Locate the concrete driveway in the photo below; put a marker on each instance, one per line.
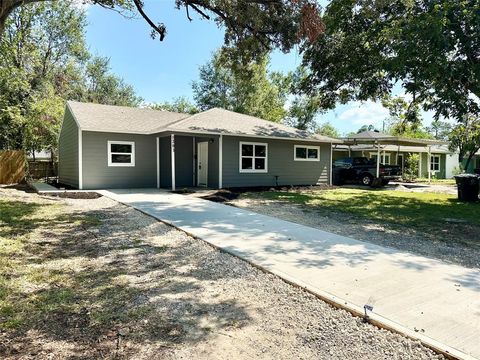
(434, 301)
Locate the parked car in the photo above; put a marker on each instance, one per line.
(363, 170)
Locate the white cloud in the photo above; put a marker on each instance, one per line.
(366, 113)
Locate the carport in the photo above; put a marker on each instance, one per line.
(378, 141)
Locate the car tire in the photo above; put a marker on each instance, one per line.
(366, 179)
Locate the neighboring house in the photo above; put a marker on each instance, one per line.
(103, 146)
(393, 151)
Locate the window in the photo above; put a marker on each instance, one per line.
(435, 163)
(385, 161)
(306, 153)
(121, 153)
(253, 157)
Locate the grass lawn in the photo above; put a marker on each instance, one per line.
(405, 208)
(436, 181)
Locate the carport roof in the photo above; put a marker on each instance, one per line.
(109, 118)
(375, 137)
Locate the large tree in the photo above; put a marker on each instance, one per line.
(246, 88)
(430, 47)
(254, 25)
(43, 62)
(180, 105)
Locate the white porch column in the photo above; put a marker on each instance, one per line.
(220, 162)
(193, 161)
(172, 158)
(331, 163)
(378, 160)
(429, 162)
(158, 162)
(383, 162)
(349, 151)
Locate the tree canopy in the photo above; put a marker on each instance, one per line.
(465, 137)
(246, 88)
(179, 105)
(254, 26)
(44, 61)
(430, 47)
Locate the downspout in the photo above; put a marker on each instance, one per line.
(378, 160)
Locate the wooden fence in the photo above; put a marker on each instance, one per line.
(42, 169)
(12, 166)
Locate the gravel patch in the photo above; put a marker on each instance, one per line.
(148, 291)
(446, 243)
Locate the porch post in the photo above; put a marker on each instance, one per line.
(384, 156)
(349, 151)
(158, 162)
(398, 150)
(330, 176)
(172, 159)
(220, 161)
(378, 160)
(193, 161)
(429, 162)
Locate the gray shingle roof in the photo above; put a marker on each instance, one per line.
(109, 118)
(222, 121)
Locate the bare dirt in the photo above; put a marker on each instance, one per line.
(90, 278)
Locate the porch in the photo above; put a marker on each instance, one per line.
(187, 161)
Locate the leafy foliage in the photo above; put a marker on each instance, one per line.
(327, 129)
(440, 130)
(44, 61)
(430, 47)
(248, 89)
(405, 119)
(180, 105)
(465, 138)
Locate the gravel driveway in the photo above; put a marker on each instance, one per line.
(144, 290)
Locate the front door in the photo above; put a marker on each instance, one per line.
(202, 163)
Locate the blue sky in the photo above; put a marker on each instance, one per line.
(161, 71)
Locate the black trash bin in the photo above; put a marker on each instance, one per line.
(468, 186)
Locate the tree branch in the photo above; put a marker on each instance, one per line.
(160, 28)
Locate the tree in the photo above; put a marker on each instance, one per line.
(364, 128)
(465, 138)
(43, 62)
(102, 87)
(405, 119)
(327, 129)
(245, 88)
(255, 26)
(179, 105)
(440, 130)
(430, 47)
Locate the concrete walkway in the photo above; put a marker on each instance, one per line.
(437, 302)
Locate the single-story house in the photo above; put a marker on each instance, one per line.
(104, 146)
(393, 150)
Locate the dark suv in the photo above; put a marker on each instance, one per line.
(363, 170)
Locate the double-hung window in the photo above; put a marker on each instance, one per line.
(121, 153)
(434, 163)
(306, 153)
(253, 157)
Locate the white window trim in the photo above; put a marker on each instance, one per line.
(432, 163)
(374, 154)
(252, 157)
(306, 147)
(110, 153)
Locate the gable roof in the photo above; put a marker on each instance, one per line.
(109, 118)
(221, 121)
(370, 135)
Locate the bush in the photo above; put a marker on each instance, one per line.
(410, 170)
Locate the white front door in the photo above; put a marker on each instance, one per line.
(202, 163)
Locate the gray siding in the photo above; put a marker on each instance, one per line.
(280, 163)
(68, 151)
(98, 175)
(165, 163)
